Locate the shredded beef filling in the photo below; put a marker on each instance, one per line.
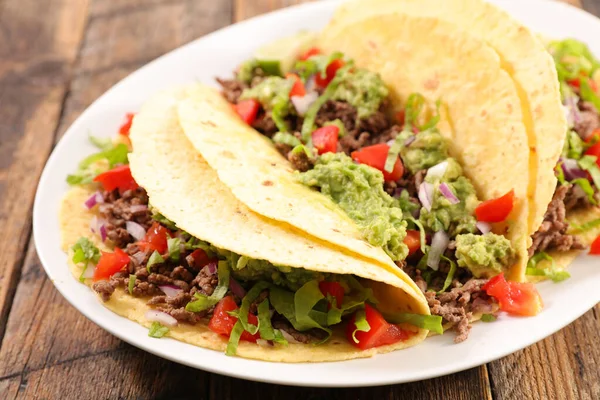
(588, 120)
(117, 209)
(552, 234)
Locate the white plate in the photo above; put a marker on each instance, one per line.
(216, 55)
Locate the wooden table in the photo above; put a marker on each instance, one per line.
(56, 57)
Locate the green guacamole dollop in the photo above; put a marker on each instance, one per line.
(363, 89)
(428, 149)
(272, 92)
(484, 255)
(358, 190)
(453, 218)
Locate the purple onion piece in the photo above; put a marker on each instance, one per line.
(162, 317)
(409, 140)
(484, 227)
(135, 230)
(236, 288)
(447, 192)
(103, 233)
(426, 195)
(211, 267)
(170, 290)
(571, 169)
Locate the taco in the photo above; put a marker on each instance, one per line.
(440, 188)
(571, 221)
(167, 245)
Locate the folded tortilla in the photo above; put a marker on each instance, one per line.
(183, 187)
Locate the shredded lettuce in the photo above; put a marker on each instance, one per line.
(204, 302)
(91, 166)
(450, 275)
(286, 138)
(589, 163)
(305, 299)
(432, 323)
(234, 338)
(552, 273)
(412, 111)
(574, 146)
(587, 188)
(585, 227)
(422, 233)
(155, 258)
(356, 298)
(573, 60)
(252, 294)
(361, 324)
(164, 220)
(131, 284)
(560, 174)
(264, 325)
(316, 64)
(488, 318)
(587, 93)
(173, 244)
(84, 251)
(157, 330)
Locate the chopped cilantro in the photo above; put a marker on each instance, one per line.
(155, 258)
(157, 330)
(488, 318)
(131, 284)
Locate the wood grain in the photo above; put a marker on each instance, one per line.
(38, 46)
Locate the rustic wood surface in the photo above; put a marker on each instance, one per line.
(56, 57)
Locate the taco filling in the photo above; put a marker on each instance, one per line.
(578, 169)
(391, 173)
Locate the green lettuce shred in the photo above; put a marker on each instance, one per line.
(552, 273)
(204, 302)
(266, 330)
(234, 338)
(488, 318)
(84, 251)
(89, 167)
(155, 258)
(585, 227)
(252, 294)
(157, 330)
(173, 244)
(431, 323)
(587, 188)
(588, 163)
(287, 139)
(450, 276)
(361, 324)
(131, 283)
(164, 220)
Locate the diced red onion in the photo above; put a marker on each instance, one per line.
(236, 288)
(571, 110)
(409, 140)
(447, 192)
(211, 267)
(170, 290)
(482, 306)
(136, 230)
(303, 103)
(136, 208)
(426, 195)
(103, 233)
(309, 86)
(437, 171)
(140, 256)
(439, 243)
(263, 343)
(89, 271)
(484, 227)
(162, 317)
(288, 337)
(94, 199)
(571, 169)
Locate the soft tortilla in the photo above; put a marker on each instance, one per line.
(185, 189)
(522, 55)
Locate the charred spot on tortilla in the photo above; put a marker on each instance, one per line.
(209, 123)
(228, 154)
(267, 183)
(431, 84)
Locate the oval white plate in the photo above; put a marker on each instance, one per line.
(215, 55)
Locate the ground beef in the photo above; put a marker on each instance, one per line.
(265, 124)
(300, 161)
(576, 198)
(588, 120)
(310, 336)
(552, 234)
(232, 89)
(104, 289)
(117, 209)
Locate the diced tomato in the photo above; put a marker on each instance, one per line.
(413, 241)
(577, 82)
(313, 51)
(247, 110)
(117, 178)
(400, 115)
(155, 239)
(110, 263)
(298, 88)
(325, 139)
(222, 323)
(380, 333)
(594, 150)
(126, 126)
(496, 210)
(334, 289)
(574, 82)
(595, 247)
(200, 258)
(375, 156)
(330, 72)
(514, 297)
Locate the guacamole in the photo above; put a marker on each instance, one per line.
(358, 190)
(363, 89)
(453, 218)
(484, 255)
(428, 149)
(272, 92)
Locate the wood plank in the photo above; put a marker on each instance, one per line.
(244, 9)
(38, 47)
(466, 385)
(50, 349)
(564, 366)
